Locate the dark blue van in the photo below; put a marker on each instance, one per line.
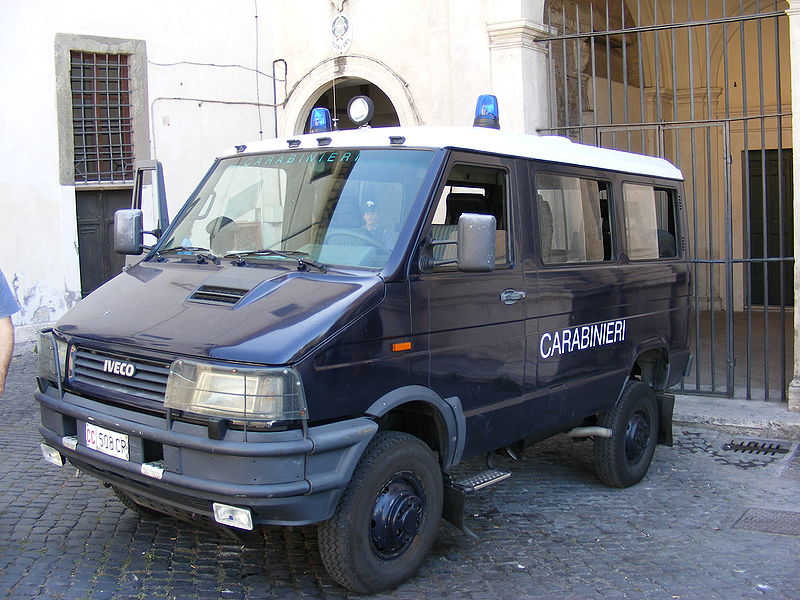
(332, 322)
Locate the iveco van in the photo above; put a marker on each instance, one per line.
(333, 321)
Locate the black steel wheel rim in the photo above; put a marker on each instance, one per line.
(637, 437)
(396, 515)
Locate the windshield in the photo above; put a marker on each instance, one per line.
(337, 207)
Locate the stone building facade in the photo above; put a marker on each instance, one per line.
(202, 76)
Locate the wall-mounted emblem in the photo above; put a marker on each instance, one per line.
(342, 32)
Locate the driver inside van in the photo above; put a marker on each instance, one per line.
(372, 226)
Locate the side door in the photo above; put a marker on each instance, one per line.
(472, 325)
(655, 274)
(580, 344)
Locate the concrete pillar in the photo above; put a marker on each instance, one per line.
(794, 52)
(519, 67)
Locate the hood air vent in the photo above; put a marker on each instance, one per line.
(212, 294)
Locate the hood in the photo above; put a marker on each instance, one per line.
(267, 314)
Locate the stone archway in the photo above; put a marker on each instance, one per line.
(337, 96)
(347, 71)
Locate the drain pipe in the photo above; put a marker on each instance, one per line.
(275, 63)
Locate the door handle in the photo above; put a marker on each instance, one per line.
(510, 296)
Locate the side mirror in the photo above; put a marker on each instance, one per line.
(128, 233)
(476, 242)
(475, 246)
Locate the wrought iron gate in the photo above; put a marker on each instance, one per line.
(704, 84)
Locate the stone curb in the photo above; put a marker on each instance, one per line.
(743, 417)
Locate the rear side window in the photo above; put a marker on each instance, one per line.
(574, 219)
(650, 223)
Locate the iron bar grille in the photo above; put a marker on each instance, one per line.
(149, 379)
(101, 117)
(704, 84)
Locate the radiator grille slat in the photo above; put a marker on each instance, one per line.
(149, 379)
(143, 377)
(118, 381)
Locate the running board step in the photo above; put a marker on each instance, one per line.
(480, 480)
(456, 490)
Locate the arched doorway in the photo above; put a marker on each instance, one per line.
(336, 97)
(347, 70)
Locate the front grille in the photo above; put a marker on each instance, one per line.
(218, 295)
(148, 379)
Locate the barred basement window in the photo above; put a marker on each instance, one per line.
(101, 117)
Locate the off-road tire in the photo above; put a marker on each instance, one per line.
(623, 459)
(388, 515)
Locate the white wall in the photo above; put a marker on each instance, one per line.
(437, 53)
(432, 53)
(433, 57)
(38, 238)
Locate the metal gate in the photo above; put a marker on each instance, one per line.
(704, 84)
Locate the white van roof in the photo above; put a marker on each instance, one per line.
(479, 139)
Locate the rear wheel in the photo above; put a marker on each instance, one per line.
(623, 459)
(388, 516)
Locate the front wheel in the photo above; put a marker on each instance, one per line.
(623, 459)
(387, 518)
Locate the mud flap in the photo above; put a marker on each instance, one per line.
(666, 405)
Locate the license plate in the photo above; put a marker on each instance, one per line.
(107, 441)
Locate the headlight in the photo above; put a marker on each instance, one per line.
(237, 393)
(48, 347)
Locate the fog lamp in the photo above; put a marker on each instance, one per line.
(233, 516)
(52, 455)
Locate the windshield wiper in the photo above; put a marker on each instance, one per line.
(202, 254)
(303, 262)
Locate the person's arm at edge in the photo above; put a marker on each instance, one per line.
(6, 349)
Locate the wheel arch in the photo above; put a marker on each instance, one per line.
(418, 410)
(650, 364)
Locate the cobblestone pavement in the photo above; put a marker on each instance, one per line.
(696, 527)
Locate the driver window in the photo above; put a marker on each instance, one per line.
(471, 189)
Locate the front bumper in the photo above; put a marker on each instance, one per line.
(284, 478)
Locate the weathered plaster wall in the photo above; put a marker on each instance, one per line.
(204, 85)
(201, 97)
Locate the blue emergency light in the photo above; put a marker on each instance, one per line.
(320, 121)
(487, 113)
